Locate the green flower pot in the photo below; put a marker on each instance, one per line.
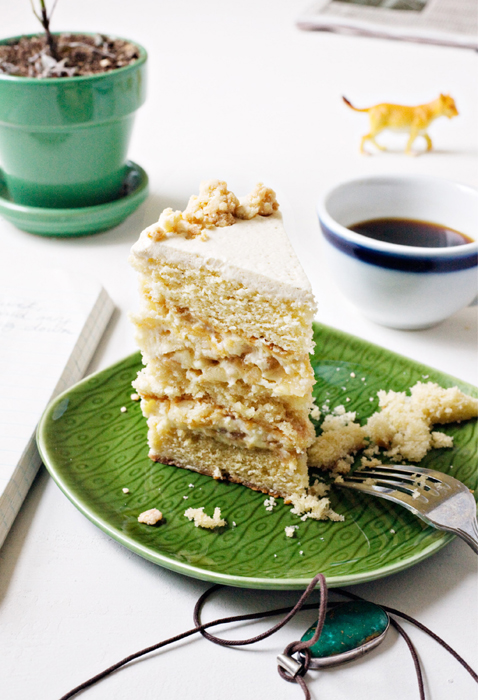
(64, 141)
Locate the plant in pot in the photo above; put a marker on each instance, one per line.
(67, 105)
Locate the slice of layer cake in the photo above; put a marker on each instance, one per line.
(225, 330)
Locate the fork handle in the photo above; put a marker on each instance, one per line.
(470, 534)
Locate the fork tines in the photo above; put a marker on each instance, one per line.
(409, 480)
(439, 499)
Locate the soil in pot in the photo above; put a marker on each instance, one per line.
(78, 54)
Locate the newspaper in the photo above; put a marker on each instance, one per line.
(443, 22)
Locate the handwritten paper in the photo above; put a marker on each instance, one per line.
(50, 324)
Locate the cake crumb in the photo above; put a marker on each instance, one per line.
(202, 520)
(403, 424)
(191, 486)
(270, 503)
(290, 530)
(341, 436)
(315, 413)
(308, 506)
(135, 397)
(342, 466)
(402, 428)
(150, 517)
(371, 463)
(440, 440)
(318, 488)
(421, 480)
(123, 409)
(125, 490)
(217, 473)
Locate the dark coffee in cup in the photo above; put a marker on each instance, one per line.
(410, 232)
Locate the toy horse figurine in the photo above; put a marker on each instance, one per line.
(414, 120)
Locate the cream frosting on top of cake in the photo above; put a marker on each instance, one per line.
(254, 252)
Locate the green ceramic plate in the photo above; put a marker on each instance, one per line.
(82, 221)
(93, 451)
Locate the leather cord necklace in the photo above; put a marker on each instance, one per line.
(289, 668)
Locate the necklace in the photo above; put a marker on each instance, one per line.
(363, 624)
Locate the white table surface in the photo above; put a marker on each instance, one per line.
(235, 92)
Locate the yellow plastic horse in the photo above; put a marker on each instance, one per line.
(414, 120)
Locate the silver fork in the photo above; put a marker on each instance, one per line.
(439, 499)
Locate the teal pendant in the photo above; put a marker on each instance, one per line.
(350, 630)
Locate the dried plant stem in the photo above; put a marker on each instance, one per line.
(45, 18)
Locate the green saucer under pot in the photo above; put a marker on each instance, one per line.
(64, 141)
(78, 221)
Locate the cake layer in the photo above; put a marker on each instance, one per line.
(270, 414)
(275, 473)
(227, 357)
(173, 373)
(230, 307)
(163, 378)
(189, 274)
(225, 425)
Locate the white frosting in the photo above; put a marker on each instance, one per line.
(256, 253)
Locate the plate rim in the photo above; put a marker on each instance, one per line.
(259, 583)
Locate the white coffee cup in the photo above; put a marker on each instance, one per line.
(402, 286)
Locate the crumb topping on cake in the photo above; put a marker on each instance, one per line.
(214, 206)
(260, 202)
